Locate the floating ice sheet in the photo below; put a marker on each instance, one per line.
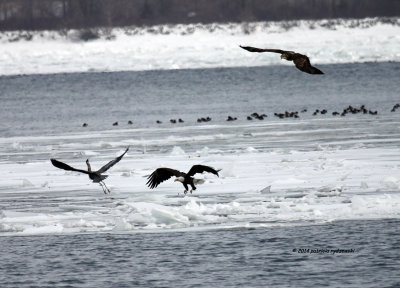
(263, 187)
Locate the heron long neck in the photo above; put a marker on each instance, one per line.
(88, 166)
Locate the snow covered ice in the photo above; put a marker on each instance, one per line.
(259, 185)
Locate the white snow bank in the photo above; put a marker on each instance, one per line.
(201, 46)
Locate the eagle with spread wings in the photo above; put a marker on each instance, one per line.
(302, 62)
(162, 174)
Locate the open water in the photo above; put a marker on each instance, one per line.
(341, 254)
(59, 103)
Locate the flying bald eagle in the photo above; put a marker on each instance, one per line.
(162, 174)
(96, 176)
(301, 61)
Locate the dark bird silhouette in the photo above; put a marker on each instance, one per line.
(301, 61)
(257, 116)
(96, 176)
(203, 119)
(162, 174)
(230, 118)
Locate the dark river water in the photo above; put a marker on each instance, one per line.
(60, 103)
(340, 254)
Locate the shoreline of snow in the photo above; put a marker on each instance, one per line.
(165, 47)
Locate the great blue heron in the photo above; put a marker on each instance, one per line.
(301, 61)
(96, 176)
(162, 174)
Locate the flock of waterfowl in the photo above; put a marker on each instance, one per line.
(286, 114)
(162, 174)
(301, 62)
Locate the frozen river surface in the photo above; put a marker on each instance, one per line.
(315, 182)
(274, 172)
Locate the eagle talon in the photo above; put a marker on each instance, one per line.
(185, 192)
(191, 190)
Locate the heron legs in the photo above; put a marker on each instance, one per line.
(105, 188)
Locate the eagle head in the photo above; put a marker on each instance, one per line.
(180, 179)
(284, 56)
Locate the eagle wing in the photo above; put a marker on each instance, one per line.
(200, 169)
(302, 63)
(253, 49)
(160, 175)
(64, 166)
(112, 162)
